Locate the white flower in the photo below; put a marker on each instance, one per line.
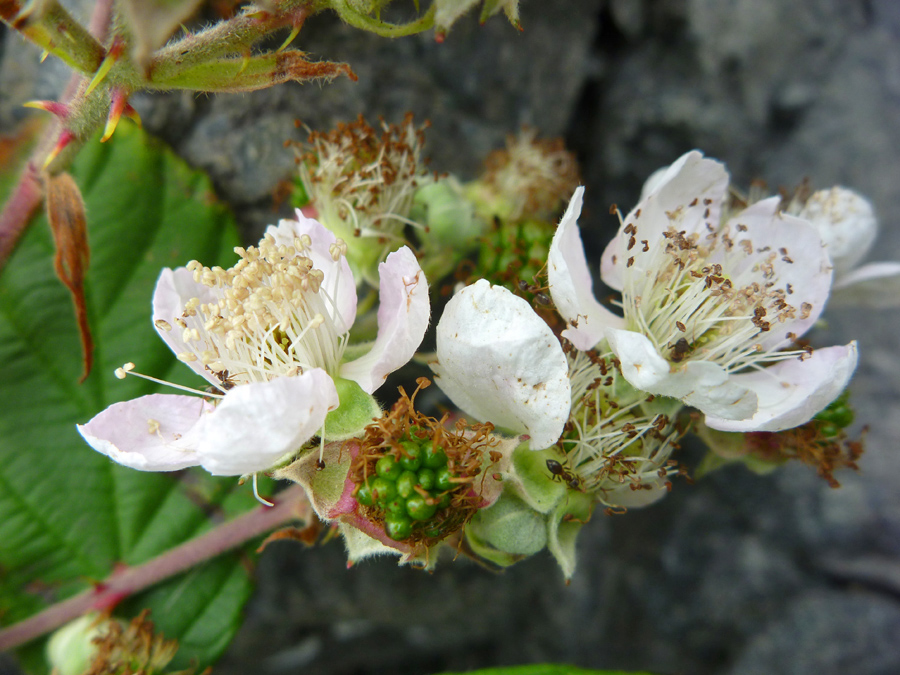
(269, 334)
(708, 304)
(499, 362)
(847, 224)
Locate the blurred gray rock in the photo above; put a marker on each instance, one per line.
(736, 575)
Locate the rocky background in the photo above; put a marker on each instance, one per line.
(736, 575)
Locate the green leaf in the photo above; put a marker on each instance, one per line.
(547, 669)
(67, 513)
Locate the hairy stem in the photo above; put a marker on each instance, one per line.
(28, 194)
(291, 504)
(53, 29)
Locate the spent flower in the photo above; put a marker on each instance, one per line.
(269, 336)
(361, 182)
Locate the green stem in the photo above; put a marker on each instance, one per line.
(255, 72)
(53, 29)
(382, 28)
(291, 504)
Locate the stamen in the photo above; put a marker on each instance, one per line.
(261, 500)
(128, 369)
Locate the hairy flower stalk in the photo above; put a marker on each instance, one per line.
(361, 182)
(269, 334)
(711, 306)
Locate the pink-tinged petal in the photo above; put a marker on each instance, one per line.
(846, 222)
(256, 424)
(339, 283)
(791, 392)
(571, 286)
(402, 320)
(499, 362)
(876, 285)
(173, 289)
(798, 263)
(686, 197)
(150, 433)
(701, 384)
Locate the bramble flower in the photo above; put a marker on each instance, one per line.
(847, 224)
(709, 305)
(269, 335)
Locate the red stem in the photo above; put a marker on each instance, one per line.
(23, 203)
(291, 504)
(27, 195)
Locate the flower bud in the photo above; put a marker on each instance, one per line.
(71, 649)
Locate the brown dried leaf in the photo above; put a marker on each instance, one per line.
(68, 223)
(306, 535)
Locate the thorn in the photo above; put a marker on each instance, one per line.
(133, 115)
(295, 31)
(245, 61)
(119, 101)
(65, 137)
(44, 55)
(61, 110)
(115, 51)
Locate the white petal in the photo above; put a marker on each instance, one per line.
(792, 392)
(635, 499)
(798, 263)
(338, 282)
(402, 320)
(701, 384)
(845, 221)
(150, 433)
(687, 196)
(876, 285)
(571, 286)
(256, 424)
(498, 361)
(173, 289)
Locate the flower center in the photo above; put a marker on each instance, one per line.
(708, 298)
(268, 316)
(610, 438)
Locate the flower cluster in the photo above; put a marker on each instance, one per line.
(575, 404)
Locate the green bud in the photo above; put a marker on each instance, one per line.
(70, 650)
(510, 527)
(449, 216)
